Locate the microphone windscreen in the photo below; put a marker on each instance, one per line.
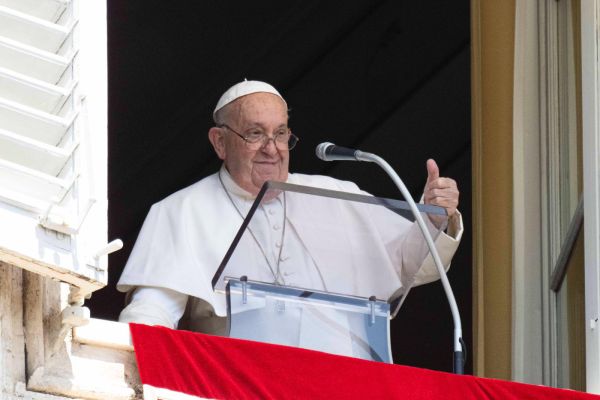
(321, 150)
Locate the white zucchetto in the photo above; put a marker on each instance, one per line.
(245, 88)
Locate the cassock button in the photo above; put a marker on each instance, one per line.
(285, 257)
(277, 244)
(271, 211)
(276, 227)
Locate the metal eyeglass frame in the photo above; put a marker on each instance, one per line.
(291, 142)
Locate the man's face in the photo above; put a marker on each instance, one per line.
(248, 167)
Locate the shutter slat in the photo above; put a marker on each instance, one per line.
(34, 124)
(33, 154)
(33, 31)
(33, 62)
(50, 10)
(33, 92)
(32, 183)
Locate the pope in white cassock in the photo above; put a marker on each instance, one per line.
(185, 236)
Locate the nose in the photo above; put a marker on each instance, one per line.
(269, 146)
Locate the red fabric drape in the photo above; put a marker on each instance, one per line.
(224, 368)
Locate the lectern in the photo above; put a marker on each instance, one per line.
(323, 269)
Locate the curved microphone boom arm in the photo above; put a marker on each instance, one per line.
(330, 152)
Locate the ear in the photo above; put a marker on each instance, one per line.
(215, 135)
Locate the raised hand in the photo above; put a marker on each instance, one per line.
(439, 191)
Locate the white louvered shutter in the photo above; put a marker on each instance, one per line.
(53, 138)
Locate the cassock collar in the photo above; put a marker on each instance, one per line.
(233, 187)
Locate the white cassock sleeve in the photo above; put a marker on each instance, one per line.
(446, 244)
(155, 306)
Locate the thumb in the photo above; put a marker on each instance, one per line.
(433, 172)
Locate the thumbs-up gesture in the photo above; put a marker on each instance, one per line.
(441, 192)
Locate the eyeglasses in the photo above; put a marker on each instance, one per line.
(283, 138)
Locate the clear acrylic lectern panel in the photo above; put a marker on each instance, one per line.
(335, 324)
(298, 239)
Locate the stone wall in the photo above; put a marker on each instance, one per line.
(43, 358)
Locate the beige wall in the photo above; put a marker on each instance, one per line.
(492, 103)
(576, 315)
(576, 265)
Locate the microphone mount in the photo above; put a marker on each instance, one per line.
(330, 152)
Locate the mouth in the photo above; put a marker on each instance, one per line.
(266, 167)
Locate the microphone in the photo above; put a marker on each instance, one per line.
(327, 151)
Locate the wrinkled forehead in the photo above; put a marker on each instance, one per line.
(258, 109)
